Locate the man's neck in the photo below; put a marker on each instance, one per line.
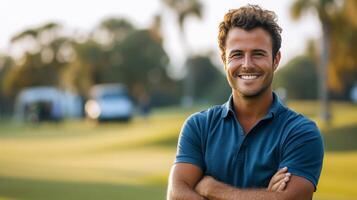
(250, 110)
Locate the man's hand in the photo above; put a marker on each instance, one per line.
(279, 181)
(204, 185)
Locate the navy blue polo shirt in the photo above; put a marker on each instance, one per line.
(215, 141)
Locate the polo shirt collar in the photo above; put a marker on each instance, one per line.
(227, 107)
(274, 109)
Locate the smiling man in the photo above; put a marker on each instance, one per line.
(251, 147)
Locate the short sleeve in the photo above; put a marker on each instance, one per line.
(303, 152)
(189, 148)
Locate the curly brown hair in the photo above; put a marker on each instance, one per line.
(248, 18)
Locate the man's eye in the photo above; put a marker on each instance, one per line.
(258, 55)
(237, 55)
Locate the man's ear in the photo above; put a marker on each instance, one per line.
(276, 60)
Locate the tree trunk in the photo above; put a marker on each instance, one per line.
(188, 82)
(325, 113)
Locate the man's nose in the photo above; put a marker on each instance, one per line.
(247, 62)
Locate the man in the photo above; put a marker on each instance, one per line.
(252, 147)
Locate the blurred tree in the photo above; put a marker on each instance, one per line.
(155, 29)
(31, 72)
(207, 80)
(113, 30)
(140, 54)
(325, 10)
(45, 55)
(298, 77)
(144, 63)
(343, 65)
(110, 70)
(115, 52)
(6, 62)
(130, 56)
(97, 60)
(137, 59)
(86, 68)
(184, 9)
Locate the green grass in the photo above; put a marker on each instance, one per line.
(84, 160)
(16, 188)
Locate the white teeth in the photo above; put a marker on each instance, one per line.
(249, 77)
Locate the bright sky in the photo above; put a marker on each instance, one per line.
(16, 15)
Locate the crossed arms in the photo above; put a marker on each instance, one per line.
(187, 182)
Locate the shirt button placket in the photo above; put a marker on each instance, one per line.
(241, 149)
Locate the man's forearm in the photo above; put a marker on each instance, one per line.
(182, 181)
(299, 189)
(243, 194)
(221, 191)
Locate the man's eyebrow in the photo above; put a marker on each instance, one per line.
(235, 51)
(259, 51)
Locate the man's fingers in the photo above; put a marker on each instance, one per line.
(279, 175)
(281, 171)
(277, 178)
(280, 185)
(284, 182)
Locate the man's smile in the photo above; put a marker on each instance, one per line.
(247, 76)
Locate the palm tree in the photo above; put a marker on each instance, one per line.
(44, 57)
(46, 39)
(184, 9)
(343, 66)
(116, 28)
(324, 10)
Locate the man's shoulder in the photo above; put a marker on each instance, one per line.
(213, 113)
(201, 122)
(298, 122)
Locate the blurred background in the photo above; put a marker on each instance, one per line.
(93, 94)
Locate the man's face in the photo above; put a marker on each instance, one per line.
(249, 63)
